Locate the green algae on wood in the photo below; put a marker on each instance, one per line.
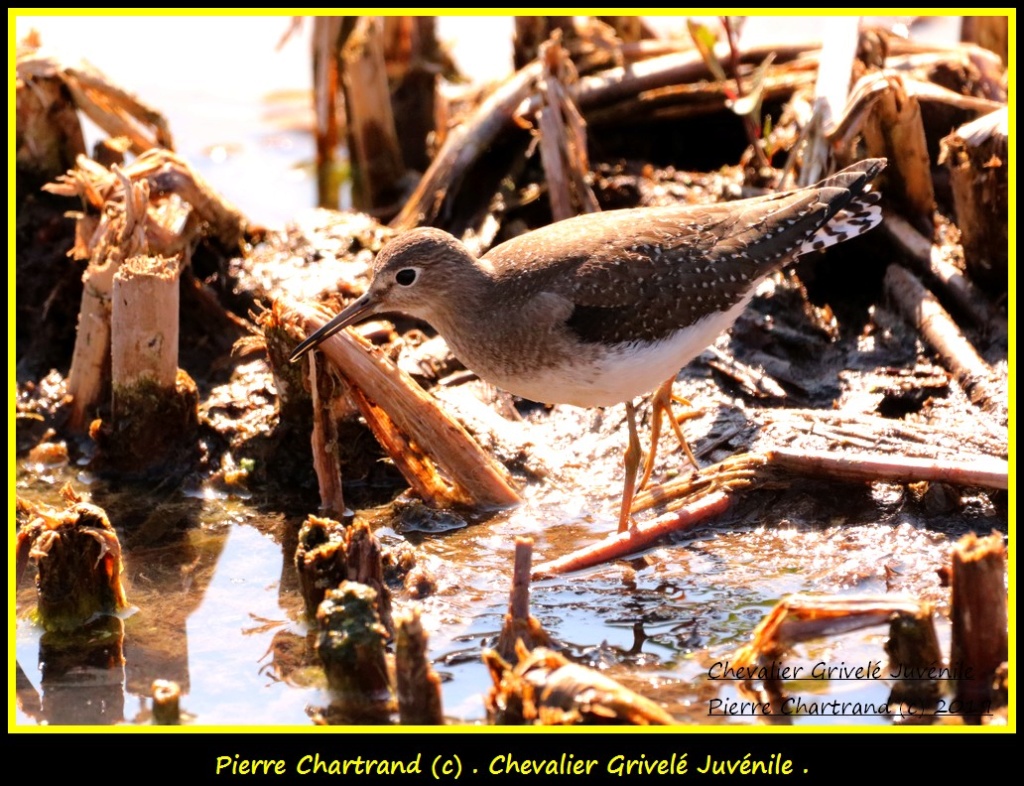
(350, 644)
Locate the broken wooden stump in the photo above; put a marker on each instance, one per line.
(49, 95)
(915, 659)
(417, 685)
(123, 236)
(329, 553)
(894, 130)
(136, 217)
(980, 643)
(563, 138)
(976, 155)
(154, 410)
(519, 625)
(78, 561)
(416, 60)
(166, 703)
(350, 644)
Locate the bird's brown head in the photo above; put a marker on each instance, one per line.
(415, 274)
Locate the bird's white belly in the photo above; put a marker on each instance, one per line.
(622, 372)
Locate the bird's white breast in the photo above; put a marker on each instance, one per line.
(619, 373)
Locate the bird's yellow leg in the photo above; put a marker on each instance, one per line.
(631, 462)
(661, 404)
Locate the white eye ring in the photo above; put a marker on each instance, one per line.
(407, 276)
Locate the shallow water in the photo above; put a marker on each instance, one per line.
(216, 608)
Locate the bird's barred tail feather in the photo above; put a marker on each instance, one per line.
(862, 214)
(857, 216)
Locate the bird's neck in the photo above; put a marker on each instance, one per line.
(468, 293)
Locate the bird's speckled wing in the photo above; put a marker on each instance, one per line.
(645, 273)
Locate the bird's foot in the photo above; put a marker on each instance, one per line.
(661, 404)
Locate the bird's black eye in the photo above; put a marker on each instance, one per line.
(406, 276)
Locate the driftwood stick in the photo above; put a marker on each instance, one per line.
(416, 414)
(983, 471)
(749, 470)
(732, 473)
(324, 440)
(416, 466)
(625, 82)
(637, 537)
(878, 434)
(694, 99)
(929, 259)
(920, 307)
(117, 111)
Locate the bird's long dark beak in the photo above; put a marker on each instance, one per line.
(355, 311)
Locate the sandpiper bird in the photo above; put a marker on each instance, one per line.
(602, 308)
